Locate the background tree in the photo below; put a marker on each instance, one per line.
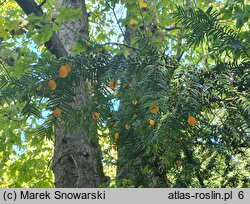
(167, 87)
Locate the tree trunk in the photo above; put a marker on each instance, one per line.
(77, 155)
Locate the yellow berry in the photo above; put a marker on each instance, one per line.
(113, 84)
(132, 22)
(117, 136)
(134, 102)
(63, 72)
(52, 85)
(57, 112)
(154, 109)
(142, 4)
(152, 122)
(68, 67)
(127, 126)
(192, 120)
(95, 116)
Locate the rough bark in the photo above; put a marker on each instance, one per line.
(71, 31)
(77, 155)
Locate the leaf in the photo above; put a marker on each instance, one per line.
(67, 14)
(239, 23)
(31, 109)
(44, 34)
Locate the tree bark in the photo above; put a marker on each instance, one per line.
(77, 155)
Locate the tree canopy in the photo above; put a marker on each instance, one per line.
(169, 85)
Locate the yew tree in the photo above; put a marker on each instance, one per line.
(124, 93)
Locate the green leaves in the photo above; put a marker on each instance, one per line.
(210, 83)
(205, 28)
(31, 109)
(67, 14)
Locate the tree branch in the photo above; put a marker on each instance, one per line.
(29, 7)
(121, 44)
(41, 4)
(117, 21)
(5, 70)
(54, 45)
(189, 155)
(170, 28)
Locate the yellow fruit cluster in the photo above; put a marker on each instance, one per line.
(68, 67)
(64, 70)
(142, 4)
